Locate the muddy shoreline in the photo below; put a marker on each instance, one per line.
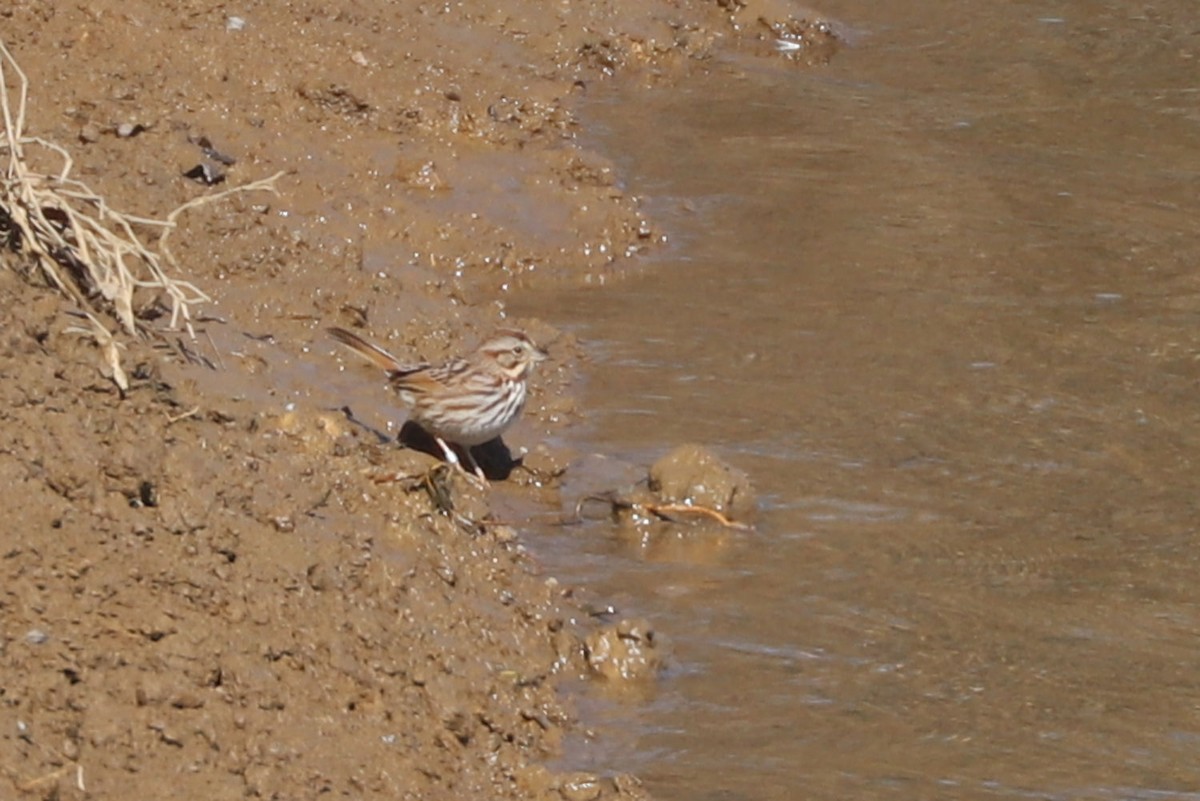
(207, 594)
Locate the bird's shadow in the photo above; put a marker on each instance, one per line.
(493, 457)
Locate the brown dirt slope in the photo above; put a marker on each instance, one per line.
(209, 606)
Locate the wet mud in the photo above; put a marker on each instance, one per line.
(225, 580)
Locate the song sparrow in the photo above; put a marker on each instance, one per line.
(466, 401)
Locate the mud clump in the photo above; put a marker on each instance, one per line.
(691, 507)
(693, 475)
(628, 651)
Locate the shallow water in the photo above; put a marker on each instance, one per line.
(939, 298)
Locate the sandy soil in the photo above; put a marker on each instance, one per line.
(205, 593)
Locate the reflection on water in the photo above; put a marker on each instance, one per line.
(940, 299)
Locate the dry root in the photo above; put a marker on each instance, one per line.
(85, 249)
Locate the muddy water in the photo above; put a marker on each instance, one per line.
(940, 299)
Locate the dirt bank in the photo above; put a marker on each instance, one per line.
(206, 593)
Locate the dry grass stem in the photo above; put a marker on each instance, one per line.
(108, 344)
(84, 248)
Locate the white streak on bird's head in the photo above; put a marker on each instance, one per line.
(513, 352)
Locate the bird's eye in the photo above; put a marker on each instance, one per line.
(518, 349)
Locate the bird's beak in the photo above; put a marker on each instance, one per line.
(540, 354)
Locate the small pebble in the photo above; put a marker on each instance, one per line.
(36, 637)
(580, 787)
(234, 23)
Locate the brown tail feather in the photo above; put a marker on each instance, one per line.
(372, 353)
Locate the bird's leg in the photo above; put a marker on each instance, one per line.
(475, 465)
(453, 459)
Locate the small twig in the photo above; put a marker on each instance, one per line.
(216, 350)
(666, 509)
(193, 357)
(320, 504)
(109, 345)
(609, 498)
(185, 415)
(53, 776)
(663, 511)
(267, 184)
(397, 477)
